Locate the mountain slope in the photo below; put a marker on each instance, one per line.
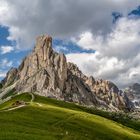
(133, 93)
(47, 119)
(48, 73)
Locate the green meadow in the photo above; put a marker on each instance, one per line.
(48, 119)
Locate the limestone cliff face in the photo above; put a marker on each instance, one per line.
(43, 71)
(109, 93)
(47, 73)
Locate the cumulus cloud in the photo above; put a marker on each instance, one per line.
(117, 55)
(6, 49)
(59, 18)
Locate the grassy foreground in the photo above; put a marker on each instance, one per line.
(47, 119)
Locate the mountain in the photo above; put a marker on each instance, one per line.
(133, 93)
(47, 73)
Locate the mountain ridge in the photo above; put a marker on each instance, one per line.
(48, 73)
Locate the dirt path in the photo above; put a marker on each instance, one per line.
(14, 108)
(39, 104)
(20, 106)
(33, 97)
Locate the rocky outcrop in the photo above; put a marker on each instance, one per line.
(108, 92)
(10, 77)
(47, 73)
(133, 93)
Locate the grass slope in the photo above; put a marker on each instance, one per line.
(48, 119)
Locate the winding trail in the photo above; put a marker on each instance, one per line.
(33, 97)
(14, 108)
(20, 106)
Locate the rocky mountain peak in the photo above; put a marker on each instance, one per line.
(47, 73)
(43, 47)
(43, 40)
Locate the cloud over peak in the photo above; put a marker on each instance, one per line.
(117, 54)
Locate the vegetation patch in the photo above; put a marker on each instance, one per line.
(26, 97)
(49, 119)
(122, 118)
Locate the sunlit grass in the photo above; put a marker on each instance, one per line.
(47, 119)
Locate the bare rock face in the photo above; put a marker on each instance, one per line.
(47, 73)
(10, 77)
(109, 93)
(43, 71)
(133, 93)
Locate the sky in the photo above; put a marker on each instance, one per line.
(102, 37)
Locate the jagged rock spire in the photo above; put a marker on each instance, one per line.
(43, 47)
(47, 73)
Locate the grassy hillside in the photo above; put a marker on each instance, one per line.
(48, 119)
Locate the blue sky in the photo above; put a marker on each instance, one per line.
(3, 36)
(15, 57)
(19, 38)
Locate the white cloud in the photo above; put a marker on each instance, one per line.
(2, 74)
(123, 38)
(88, 41)
(6, 49)
(134, 74)
(117, 55)
(60, 19)
(4, 63)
